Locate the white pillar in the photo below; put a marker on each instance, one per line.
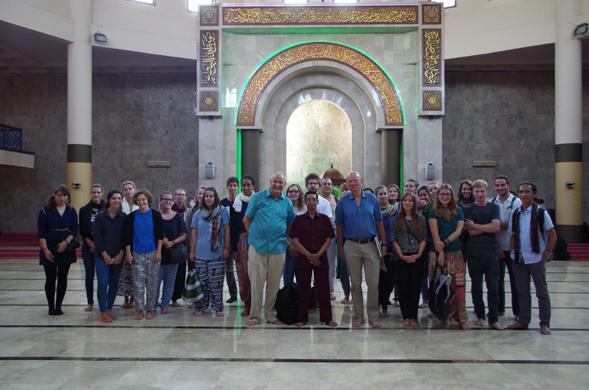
(79, 104)
(568, 123)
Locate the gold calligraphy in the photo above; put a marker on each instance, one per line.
(431, 56)
(432, 101)
(236, 16)
(431, 13)
(208, 58)
(209, 15)
(320, 51)
(209, 101)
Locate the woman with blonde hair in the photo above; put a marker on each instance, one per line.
(295, 193)
(446, 221)
(128, 188)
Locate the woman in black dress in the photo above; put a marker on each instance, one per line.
(57, 226)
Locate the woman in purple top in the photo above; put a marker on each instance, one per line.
(57, 226)
(209, 246)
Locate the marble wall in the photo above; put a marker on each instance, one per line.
(507, 117)
(136, 118)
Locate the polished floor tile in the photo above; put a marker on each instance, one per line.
(180, 351)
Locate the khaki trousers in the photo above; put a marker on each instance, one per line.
(264, 270)
(358, 255)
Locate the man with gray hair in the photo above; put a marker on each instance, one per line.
(267, 220)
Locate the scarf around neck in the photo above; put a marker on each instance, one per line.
(240, 199)
(387, 211)
(215, 220)
(534, 236)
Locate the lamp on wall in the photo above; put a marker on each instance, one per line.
(209, 171)
(581, 29)
(99, 37)
(430, 172)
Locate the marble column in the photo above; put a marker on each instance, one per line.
(391, 156)
(568, 124)
(250, 154)
(79, 104)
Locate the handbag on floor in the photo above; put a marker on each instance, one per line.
(193, 291)
(442, 295)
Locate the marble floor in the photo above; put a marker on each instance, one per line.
(180, 351)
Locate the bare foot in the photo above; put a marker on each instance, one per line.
(545, 330)
(375, 324)
(516, 318)
(277, 322)
(346, 300)
(384, 314)
(351, 301)
(191, 306)
(176, 304)
(332, 296)
(149, 316)
(442, 325)
(89, 307)
(246, 310)
(464, 326)
(406, 323)
(126, 305)
(299, 324)
(431, 315)
(501, 313)
(357, 323)
(139, 316)
(105, 318)
(252, 322)
(479, 322)
(331, 323)
(112, 316)
(414, 323)
(165, 311)
(496, 326)
(422, 305)
(199, 313)
(220, 314)
(396, 302)
(517, 326)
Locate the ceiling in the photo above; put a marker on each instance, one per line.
(27, 51)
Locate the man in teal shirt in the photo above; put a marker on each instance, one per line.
(267, 220)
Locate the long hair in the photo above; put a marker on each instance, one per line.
(216, 202)
(51, 204)
(380, 187)
(424, 188)
(110, 195)
(300, 203)
(452, 210)
(398, 192)
(461, 198)
(416, 226)
(183, 203)
(198, 205)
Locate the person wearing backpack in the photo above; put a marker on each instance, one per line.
(507, 202)
(532, 241)
(446, 221)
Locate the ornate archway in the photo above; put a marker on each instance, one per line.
(314, 51)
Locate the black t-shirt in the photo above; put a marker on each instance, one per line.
(484, 244)
(227, 203)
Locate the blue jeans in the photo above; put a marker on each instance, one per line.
(108, 283)
(88, 258)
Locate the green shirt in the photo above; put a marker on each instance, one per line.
(445, 229)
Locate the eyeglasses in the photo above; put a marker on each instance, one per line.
(293, 191)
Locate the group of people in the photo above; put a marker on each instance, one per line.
(401, 243)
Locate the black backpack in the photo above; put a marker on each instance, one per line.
(287, 308)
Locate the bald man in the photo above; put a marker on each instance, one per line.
(359, 221)
(267, 220)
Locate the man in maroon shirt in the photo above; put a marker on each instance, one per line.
(312, 233)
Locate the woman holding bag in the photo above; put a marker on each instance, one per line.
(446, 221)
(174, 236)
(209, 247)
(408, 239)
(108, 251)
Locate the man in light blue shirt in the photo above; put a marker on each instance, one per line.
(267, 220)
(359, 220)
(532, 241)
